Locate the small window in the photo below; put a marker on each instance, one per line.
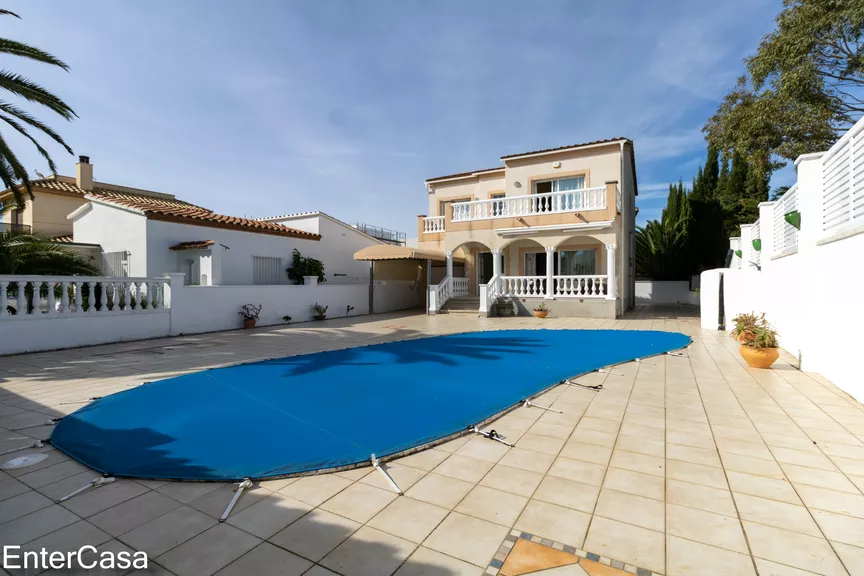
(577, 262)
(266, 270)
(562, 185)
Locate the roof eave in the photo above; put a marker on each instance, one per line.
(617, 141)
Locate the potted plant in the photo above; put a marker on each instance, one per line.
(320, 311)
(541, 311)
(303, 267)
(745, 325)
(250, 314)
(759, 348)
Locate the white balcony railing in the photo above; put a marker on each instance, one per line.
(582, 200)
(490, 292)
(439, 294)
(524, 286)
(31, 297)
(432, 224)
(459, 287)
(594, 286)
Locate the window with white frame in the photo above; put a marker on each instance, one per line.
(577, 262)
(559, 185)
(267, 270)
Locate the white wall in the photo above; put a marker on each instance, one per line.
(665, 292)
(116, 230)
(393, 295)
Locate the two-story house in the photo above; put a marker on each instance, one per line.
(549, 225)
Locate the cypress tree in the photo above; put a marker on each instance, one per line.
(711, 174)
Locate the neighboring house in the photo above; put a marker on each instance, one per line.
(555, 224)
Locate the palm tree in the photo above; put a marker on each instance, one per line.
(12, 172)
(661, 250)
(35, 254)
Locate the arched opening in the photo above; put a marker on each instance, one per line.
(478, 265)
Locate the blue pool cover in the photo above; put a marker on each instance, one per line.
(330, 409)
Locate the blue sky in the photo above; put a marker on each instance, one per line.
(267, 107)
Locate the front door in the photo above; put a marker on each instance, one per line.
(484, 267)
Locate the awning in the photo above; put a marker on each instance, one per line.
(193, 245)
(391, 252)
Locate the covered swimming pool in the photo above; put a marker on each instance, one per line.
(332, 409)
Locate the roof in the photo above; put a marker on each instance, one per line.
(63, 239)
(319, 214)
(391, 252)
(165, 207)
(193, 245)
(562, 148)
(464, 174)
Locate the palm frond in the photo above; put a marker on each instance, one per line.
(22, 115)
(23, 131)
(26, 51)
(25, 253)
(12, 172)
(8, 13)
(31, 91)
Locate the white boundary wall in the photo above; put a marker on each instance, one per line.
(190, 310)
(810, 290)
(665, 292)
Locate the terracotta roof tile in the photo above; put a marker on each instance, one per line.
(63, 239)
(461, 174)
(193, 245)
(610, 141)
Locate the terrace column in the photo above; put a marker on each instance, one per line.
(550, 273)
(496, 262)
(612, 291)
(449, 265)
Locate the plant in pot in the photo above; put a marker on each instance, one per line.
(541, 311)
(760, 350)
(250, 314)
(303, 266)
(320, 311)
(745, 326)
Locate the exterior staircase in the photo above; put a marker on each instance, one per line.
(461, 305)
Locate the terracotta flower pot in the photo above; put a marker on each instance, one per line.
(759, 357)
(541, 313)
(320, 317)
(248, 323)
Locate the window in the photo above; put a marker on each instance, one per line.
(497, 207)
(577, 262)
(562, 185)
(116, 264)
(267, 270)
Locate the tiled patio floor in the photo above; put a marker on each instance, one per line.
(688, 464)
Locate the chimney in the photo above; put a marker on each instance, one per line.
(84, 173)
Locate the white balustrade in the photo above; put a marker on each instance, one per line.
(432, 224)
(581, 200)
(439, 294)
(459, 287)
(524, 286)
(490, 292)
(30, 297)
(591, 286)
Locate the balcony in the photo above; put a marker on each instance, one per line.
(582, 200)
(14, 227)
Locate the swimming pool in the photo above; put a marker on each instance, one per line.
(331, 409)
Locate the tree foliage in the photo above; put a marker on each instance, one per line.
(33, 254)
(12, 171)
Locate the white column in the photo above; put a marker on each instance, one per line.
(550, 273)
(449, 256)
(612, 292)
(496, 262)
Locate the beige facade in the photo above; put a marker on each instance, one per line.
(571, 200)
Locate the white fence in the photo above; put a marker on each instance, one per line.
(433, 224)
(47, 313)
(665, 292)
(810, 278)
(581, 200)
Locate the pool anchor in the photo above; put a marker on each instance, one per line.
(34, 444)
(246, 483)
(529, 404)
(386, 475)
(95, 483)
(491, 435)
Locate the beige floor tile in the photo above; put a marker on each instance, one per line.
(696, 440)
(404, 476)
(51, 474)
(313, 536)
(454, 444)
(559, 431)
(266, 560)
(693, 455)
(11, 487)
(440, 490)
(69, 539)
(554, 522)
(799, 458)
(638, 463)
(269, 515)
(483, 449)
(792, 548)
(686, 557)
(21, 505)
(214, 503)
(94, 501)
(359, 502)
(762, 486)
(637, 483)
(700, 497)
(37, 524)
(840, 527)
(632, 509)
(369, 552)
(409, 519)
(427, 562)
(627, 543)
(706, 527)
(540, 443)
(467, 538)
(768, 568)
(353, 475)
(852, 557)
(752, 466)
(587, 452)
(208, 552)
(832, 500)
(599, 425)
(464, 468)
(314, 490)
(795, 443)
(425, 459)
(164, 533)
(567, 493)
(492, 505)
(742, 448)
(777, 514)
(819, 478)
(598, 438)
(641, 446)
(527, 460)
(185, 492)
(646, 432)
(133, 513)
(513, 480)
(696, 474)
(578, 471)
